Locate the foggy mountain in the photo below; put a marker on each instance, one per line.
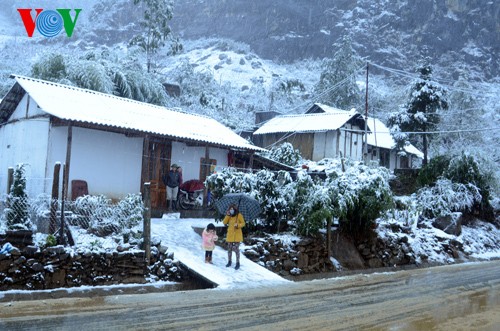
(392, 33)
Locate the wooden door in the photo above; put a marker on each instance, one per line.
(156, 162)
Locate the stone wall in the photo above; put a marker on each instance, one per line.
(54, 267)
(309, 255)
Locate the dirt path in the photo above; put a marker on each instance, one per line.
(455, 297)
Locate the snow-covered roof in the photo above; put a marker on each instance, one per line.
(307, 122)
(328, 109)
(380, 136)
(81, 105)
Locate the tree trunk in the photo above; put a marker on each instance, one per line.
(425, 150)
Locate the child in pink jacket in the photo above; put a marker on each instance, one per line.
(209, 237)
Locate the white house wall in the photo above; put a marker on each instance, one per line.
(25, 141)
(111, 163)
(26, 108)
(189, 157)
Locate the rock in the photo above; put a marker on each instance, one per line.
(37, 267)
(55, 250)
(451, 224)
(375, 263)
(288, 265)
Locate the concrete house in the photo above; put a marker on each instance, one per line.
(114, 144)
(322, 132)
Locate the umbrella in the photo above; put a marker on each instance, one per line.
(247, 206)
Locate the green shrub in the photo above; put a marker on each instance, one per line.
(462, 169)
(50, 241)
(431, 172)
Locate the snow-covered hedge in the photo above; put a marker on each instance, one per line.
(273, 190)
(100, 216)
(447, 197)
(472, 183)
(356, 196)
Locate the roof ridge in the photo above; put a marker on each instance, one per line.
(107, 95)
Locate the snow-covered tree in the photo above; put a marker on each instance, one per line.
(17, 211)
(420, 113)
(337, 84)
(285, 153)
(103, 70)
(156, 29)
(464, 109)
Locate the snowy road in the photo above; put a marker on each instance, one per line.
(453, 297)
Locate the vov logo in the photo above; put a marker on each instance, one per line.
(49, 23)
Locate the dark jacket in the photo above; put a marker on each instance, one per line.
(172, 179)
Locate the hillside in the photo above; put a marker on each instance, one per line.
(241, 57)
(387, 32)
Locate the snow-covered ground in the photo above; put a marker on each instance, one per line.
(179, 236)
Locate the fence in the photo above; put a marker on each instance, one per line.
(93, 222)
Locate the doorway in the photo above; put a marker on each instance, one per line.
(155, 164)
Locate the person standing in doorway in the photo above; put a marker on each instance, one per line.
(172, 182)
(235, 222)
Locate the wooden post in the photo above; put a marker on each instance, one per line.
(55, 197)
(147, 221)
(62, 239)
(10, 179)
(365, 147)
(329, 238)
(251, 162)
(68, 160)
(207, 173)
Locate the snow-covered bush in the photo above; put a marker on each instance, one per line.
(129, 211)
(286, 154)
(356, 196)
(447, 197)
(312, 206)
(462, 169)
(360, 195)
(272, 190)
(229, 180)
(100, 216)
(275, 193)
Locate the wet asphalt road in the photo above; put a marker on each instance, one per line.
(453, 297)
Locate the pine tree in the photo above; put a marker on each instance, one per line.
(157, 15)
(337, 85)
(420, 113)
(17, 212)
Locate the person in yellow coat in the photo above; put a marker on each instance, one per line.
(234, 222)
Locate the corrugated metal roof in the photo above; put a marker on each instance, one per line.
(307, 122)
(76, 104)
(381, 137)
